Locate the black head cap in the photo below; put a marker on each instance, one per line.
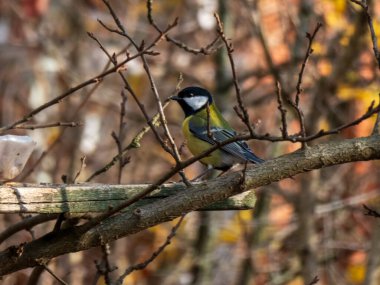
(193, 99)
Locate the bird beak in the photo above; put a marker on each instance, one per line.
(176, 98)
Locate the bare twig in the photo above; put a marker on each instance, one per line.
(51, 125)
(72, 90)
(35, 275)
(155, 254)
(74, 114)
(60, 280)
(309, 51)
(370, 112)
(128, 86)
(208, 49)
(25, 174)
(121, 135)
(82, 166)
(135, 143)
(314, 281)
(119, 151)
(112, 59)
(295, 104)
(26, 223)
(104, 267)
(371, 212)
(284, 129)
(122, 123)
(365, 7)
(243, 114)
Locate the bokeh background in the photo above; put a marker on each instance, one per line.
(313, 225)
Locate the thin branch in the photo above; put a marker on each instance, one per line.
(104, 267)
(314, 281)
(119, 139)
(309, 51)
(112, 59)
(128, 86)
(365, 7)
(60, 280)
(82, 166)
(284, 129)
(243, 114)
(72, 90)
(371, 212)
(155, 254)
(295, 104)
(87, 96)
(208, 49)
(26, 224)
(135, 143)
(370, 112)
(35, 275)
(51, 125)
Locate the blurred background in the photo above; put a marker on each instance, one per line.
(311, 226)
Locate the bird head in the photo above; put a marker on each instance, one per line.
(192, 99)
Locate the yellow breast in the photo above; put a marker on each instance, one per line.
(197, 146)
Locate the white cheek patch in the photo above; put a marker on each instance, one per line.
(196, 102)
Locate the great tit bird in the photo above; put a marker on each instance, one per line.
(203, 128)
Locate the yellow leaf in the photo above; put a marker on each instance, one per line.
(376, 26)
(340, 6)
(319, 48)
(325, 67)
(101, 281)
(53, 134)
(356, 273)
(233, 230)
(347, 34)
(324, 124)
(296, 281)
(229, 235)
(365, 94)
(245, 216)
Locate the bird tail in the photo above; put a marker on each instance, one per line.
(251, 157)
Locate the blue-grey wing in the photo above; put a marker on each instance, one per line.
(238, 149)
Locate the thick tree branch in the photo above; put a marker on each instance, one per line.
(132, 221)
